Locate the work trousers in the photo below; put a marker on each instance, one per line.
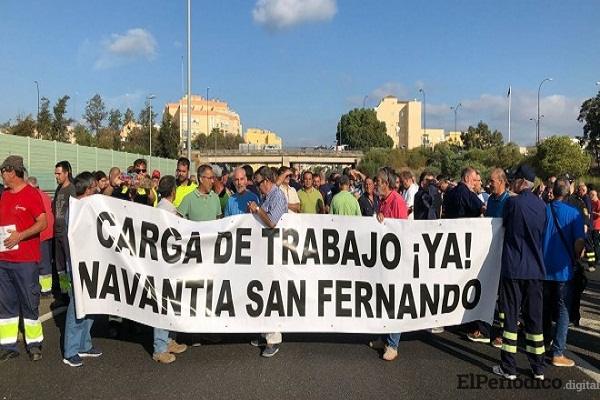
(525, 296)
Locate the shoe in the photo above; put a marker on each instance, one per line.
(35, 353)
(439, 329)
(479, 337)
(260, 342)
(497, 369)
(270, 350)
(6, 355)
(92, 353)
(74, 361)
(176, 348)
(497, 343)
(390, 353)
(163, 358)
(562, 361)
(377, 344)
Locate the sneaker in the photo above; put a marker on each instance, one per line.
(91, 353)
(390, 353)
(260, 342)
(35, 353)
(479, 337)
(497, 369)
(6, 355)
(176, 348)
(562, 361)
(497, 343)
(163, 358)
(377, 344)
(439, 329)
(270, 350)
(74, 361)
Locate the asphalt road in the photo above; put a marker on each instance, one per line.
(319, 366)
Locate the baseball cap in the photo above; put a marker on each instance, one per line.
(525, 172)
(13, 162)
(156, 174)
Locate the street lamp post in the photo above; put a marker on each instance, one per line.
(150, 123)
(189, 80)
(365, 100)
(537, 138)
(455, 108)
(37, 85)
(424, 111)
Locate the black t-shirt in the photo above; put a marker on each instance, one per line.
(60, 207)
(368, 208)
(121, 192)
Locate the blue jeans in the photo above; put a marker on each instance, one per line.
(77, 331)
(161, 340)
(557, 303)
(392, 340)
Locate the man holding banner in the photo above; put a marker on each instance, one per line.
(270, 211)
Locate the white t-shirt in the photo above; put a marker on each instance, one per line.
(290, 194)
(409, 197)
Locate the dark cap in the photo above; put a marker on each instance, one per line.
(525, 172)
(13, 162)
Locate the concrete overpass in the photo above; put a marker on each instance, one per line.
(277, 158)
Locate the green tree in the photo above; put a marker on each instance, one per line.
(114, 119)
(83, 137)
(144, 116)
(95, 112)
(59, 122)
(589, 115)
(481, 137)
(360, 130)
(108, 138)
(223, 139)
(506, 156)
(44, 121)
(128, 117)
(25, 126)
(558, 155)
(168, 137)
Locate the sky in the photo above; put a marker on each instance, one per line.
(295, 66)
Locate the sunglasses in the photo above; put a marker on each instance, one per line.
(140, 170)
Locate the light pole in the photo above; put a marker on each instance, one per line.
(207, 127)
(537, 138)
(189, 80)
(37, 85)
(365, 100)
(455, 108)
(424, 111)
(150, 97)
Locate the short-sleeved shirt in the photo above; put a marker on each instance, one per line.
(47, 233)
(524, 223)
(198, 206)
(238, 203)
(368, 208)
(21, 209)
(557, 257)
(166, 205)
(495, 205)
(290, 194)
(60, 207)
(223, 198)
(310, 201)
(345, 203)
(275, 204)
(595, 217)
(182, 191)
(461, 202)
(393, 206)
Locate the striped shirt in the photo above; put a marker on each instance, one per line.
(275, 204)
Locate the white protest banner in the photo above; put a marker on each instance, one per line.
(312, 273)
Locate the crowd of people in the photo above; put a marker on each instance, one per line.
(551, 232)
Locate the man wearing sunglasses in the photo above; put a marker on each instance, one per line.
(203, 203)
